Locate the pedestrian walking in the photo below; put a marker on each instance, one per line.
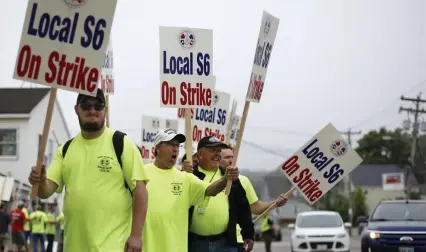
(105, 200)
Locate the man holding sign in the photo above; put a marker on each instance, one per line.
(171, 193)
(98, 205)
(213, 222)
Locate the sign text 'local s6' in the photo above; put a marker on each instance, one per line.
(63, 43)
(210, 121)
(320, 164)
(186, 67)
(262, 56)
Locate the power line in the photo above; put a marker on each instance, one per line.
(373, 116)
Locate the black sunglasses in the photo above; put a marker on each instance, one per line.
(96, 106)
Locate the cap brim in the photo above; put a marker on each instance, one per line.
(218, 144)
(180, 138)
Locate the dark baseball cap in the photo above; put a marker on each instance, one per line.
(211, 141)
(99, 95)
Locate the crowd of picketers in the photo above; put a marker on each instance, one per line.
(24, 230)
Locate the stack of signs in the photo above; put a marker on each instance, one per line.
(107, 75)
(150, 127)
(265, 43)
(186, 67)
(210, 121)
(320, 164)
(63, 43)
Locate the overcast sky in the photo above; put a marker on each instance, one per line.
(345, 62)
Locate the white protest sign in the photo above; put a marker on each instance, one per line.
(320, 164)
(63, 43)
(393, 181)
(186, 67)
(210, 121)
(6, 183)
(262, 56)
(235, 128)
(107, 75)
(150, 127)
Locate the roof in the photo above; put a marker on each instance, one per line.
(402, 201)
(319, 213)
(20, 100)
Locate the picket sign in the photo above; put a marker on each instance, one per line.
(186, 72)
(319, 165)
(46, 48)
(107, 79)
(268, 32)
(230, 122)
(150, 127)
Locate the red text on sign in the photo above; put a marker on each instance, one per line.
(302, 179)
(256, 87)
(63, 73)
(148, 153)
(107, 83)
(190, 94)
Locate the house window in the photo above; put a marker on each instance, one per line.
(8, 142)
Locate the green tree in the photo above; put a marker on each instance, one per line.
(385, 147)
(359, 199)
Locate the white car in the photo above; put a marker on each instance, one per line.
(319, 231)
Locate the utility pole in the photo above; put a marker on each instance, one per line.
(417, 101)
(349, 135)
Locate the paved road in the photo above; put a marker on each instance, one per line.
(284, 246)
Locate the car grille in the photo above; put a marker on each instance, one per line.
(393, 239)
(314, 244)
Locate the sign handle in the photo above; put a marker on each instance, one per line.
(43, 143)
(188, 134)
(238, 143)
(288, 193)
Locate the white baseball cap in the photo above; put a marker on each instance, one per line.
(168, 135)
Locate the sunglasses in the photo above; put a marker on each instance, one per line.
(96, 106)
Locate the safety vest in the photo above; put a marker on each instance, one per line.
(265, 223)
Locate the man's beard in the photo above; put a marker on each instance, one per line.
(91, 127)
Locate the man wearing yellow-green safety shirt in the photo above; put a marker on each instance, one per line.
(267, 230)
(27, 227)
(213, 223)
(257, 207)
(102, 171)
(50, 228)
(38, 221)
(171, 193)
(61, 220)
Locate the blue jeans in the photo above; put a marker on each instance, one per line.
(202, 245)
(36, 238)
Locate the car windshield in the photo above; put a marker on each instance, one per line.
(400, 212)
(320, 221)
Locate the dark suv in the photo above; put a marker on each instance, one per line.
(396, 226)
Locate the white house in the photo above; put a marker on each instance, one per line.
(22, 114)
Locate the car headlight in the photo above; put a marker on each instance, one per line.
(300, 236)
(342, 235)
(374, 235)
